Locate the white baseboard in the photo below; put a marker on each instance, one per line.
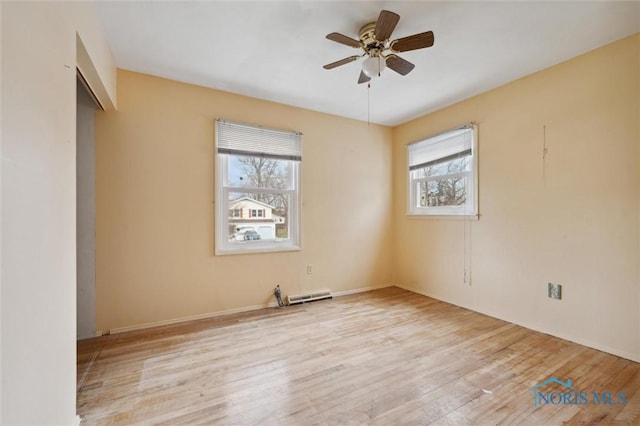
(580, 341)
(225, 312)
(359, 290)
(191, 318)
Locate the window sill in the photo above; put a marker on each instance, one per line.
(257, 249)
(470, 217)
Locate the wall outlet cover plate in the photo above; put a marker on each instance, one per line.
(555, 291)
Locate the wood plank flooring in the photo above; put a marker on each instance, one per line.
(383, 357)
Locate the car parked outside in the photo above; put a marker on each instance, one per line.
(251, 235)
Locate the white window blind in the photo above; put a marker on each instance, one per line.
(243, 139)
(442, 148)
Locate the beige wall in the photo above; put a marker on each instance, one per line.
(155, 194)
(573, 220)
(39, 56)
(575, 223)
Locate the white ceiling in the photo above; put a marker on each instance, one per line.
(275, 50)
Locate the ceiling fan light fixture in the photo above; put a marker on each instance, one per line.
(373, 66)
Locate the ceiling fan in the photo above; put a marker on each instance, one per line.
(379, 50)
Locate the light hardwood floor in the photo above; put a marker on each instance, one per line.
(383, 357)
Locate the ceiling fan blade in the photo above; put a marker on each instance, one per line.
(363, 78)
(340, 62)
(343, 39)
(385, 25)
(399, 65)
(413, 42)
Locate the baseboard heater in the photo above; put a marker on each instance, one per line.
(309, 297)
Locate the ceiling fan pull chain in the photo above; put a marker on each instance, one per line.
(368, 104)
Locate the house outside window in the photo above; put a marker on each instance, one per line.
(442, 174)
(257, 175)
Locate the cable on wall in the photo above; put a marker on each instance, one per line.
(467, 231)
(544, 155)
(467, 249)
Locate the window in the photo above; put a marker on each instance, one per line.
(258, 173)
(443, 174)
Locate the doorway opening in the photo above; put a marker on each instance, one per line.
(86, 106)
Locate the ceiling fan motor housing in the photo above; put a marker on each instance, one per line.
(368, 40)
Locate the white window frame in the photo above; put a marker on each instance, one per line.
(223, 188)
(470, 208)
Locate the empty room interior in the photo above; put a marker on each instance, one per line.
(317, 212)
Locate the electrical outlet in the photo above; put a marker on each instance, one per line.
(309, 269)
(555, 291)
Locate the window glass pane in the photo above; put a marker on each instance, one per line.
(453, 166)
(262, 216)
(258, 172)
(450, 191)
